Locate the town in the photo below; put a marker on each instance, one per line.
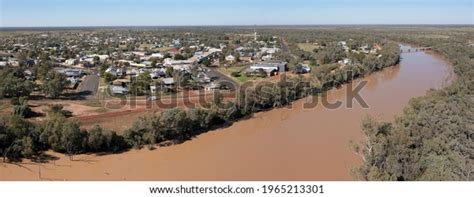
(247, 90)
(109, 90)
(114, 82)
(147, 63)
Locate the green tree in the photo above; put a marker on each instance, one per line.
(21, 108)
(109, 77)
(169, 71)
(141, 84)
(58, 110)
(54, 84)
(73, 139)
(13, 83)
(96, 140)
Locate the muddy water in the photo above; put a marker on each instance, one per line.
(282, 144)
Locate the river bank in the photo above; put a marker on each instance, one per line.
(281, 144)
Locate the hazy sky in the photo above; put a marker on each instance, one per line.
(19, 13)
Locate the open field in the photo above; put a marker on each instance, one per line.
(309, 47)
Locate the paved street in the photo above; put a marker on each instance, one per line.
(89, 86)
(224, 79)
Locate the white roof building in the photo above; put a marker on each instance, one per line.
(157, 55)
(230, 58)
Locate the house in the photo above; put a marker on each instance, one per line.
(230, 58)
(74, 73)
(214, 50)
(239, 49)
(13, 62)
(70, 62)
(73, 82)
(212, 86)
(345, 61)
(168, 83)
(118, 72)
(269, 67)
(182, 67)
(202, 78)
(139, 53)
(28, 74)
(132, 72)
(266, 67)
(87, 60)
(102, 58)
(269, 50)
(170, 62)
(30, 62)
(157, 73)
(147, 63)
(246, 59)
(118, 90)
(141, 65)
(157, 55)
(3, 64)
(267, 57)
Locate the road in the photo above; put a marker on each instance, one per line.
(89, 86)
(285, 49)
(224, 79)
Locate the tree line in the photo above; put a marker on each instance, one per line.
(15, 82)
(20, 138)
(433, 139)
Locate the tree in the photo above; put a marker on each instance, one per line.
(141, 84)
(58, 110)
(54, 84)
(96, 60)
(109, 77)
(206, 62)
(17, 139)
(13, 83)
(96, 140)
(21, 108)
(6, 139)
(73, 139)
(179, 57)
(169, 71)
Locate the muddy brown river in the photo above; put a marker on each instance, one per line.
(281, 144)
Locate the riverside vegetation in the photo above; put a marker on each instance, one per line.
(21, 139)
(433, 139)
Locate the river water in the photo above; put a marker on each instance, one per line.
(281, 144)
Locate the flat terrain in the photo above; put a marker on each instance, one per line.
(297, 143)
(309, 47)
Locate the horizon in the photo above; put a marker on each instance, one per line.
(238, 26)
(192, 13)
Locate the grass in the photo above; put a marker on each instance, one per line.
(164, 49)
(307, 47)
(231, 69)
(243, 78)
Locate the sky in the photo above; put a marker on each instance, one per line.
(48, 13)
